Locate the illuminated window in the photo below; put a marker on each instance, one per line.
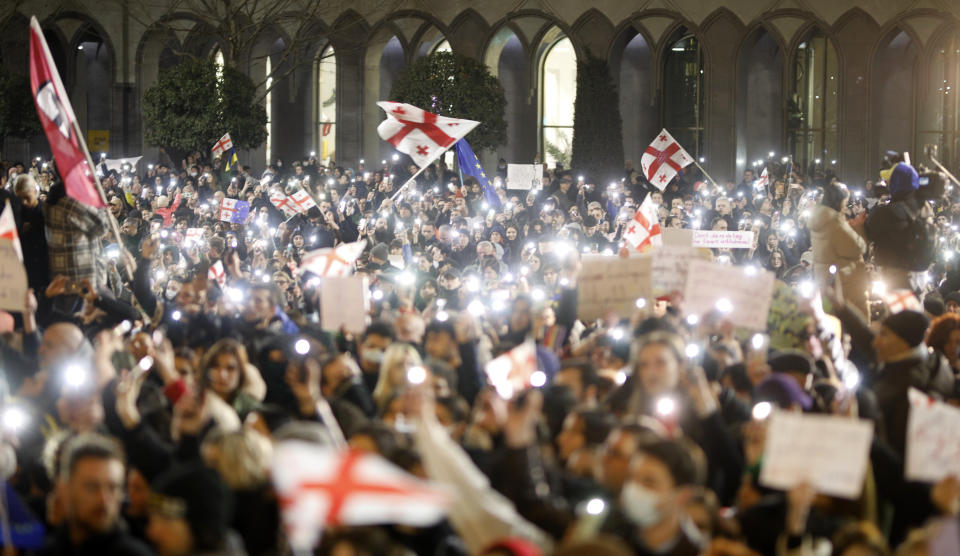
(683, 101)
(939, 123)
(559, 86)
(443, 46)
(325, 109)
(812, 111)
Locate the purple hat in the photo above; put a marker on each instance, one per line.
(782, 391)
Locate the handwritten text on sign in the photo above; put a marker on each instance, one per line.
(829, 453)
(747, 292)
(524, 176)
(13, 278)
(722, 239)
(613, 284)
(933, 439)
(670, 268)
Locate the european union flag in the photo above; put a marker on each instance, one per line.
(471, 166)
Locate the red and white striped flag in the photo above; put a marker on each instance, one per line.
(321, 486)
(302, 201)
(223, 145)
(513, 371)
(663, 159)
(333, 261)
(59, 122)
(8, 229)
(902, 300)
(420, 134)
(217, 273)
(644, 230)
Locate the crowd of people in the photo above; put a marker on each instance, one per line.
(143, 394)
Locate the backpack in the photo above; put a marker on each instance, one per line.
(919, 240)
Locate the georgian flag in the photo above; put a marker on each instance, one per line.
(283, 204)
(644, 230)
(761, 183)
(302, 201)
(223, 145)
(319, 486)
(8, 229)
(511, 372)
(663, 159)
(902, 300)
(418, 133)
(333, 261)
(194, 236)
(217, 273)
(232, 210)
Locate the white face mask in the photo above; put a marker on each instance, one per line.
(373, 355)
(640, 504)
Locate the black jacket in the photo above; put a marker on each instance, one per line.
(117, 542)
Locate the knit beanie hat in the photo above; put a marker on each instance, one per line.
(196, 494)
(910, 326)
(903, 179)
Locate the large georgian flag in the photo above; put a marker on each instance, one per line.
(333, 261)
(644, 230)
(418, 133)
(663, 159)
(59, 122)
(320, 486)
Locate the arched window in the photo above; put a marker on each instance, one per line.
(325, 108)
(683, 101)
(559, 90)
(939, 124)
(812, 110)
(443, 46)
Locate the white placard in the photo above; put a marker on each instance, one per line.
(933, 439)
(747, 292)
(344, 302)
(670, 265)
(722, 239)
(677, 236)
(13, 278)
(829, 453)
(524, 176)
(613, 283)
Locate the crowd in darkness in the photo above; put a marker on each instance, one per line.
(143, 395)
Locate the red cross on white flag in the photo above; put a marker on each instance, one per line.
(320, 486)
(223, 145)
(761, 183)
(227, 207)
(902, 300)
(217, 273)
(302, 201)
(418, 133)
(644, 229)
(663, 159)
(283, 203)
(8, 229)
(194, 236)
(333, 261)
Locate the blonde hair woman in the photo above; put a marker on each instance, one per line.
(393, 372)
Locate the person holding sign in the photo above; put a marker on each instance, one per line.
(838, 248)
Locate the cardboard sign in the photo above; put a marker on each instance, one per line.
(670, 267)
(722, 239)
(613, 284)
(524, 176)
(743, 292)
(829, 453)
(677, 236)
(13, 278)
(933, 440)
(344, 303)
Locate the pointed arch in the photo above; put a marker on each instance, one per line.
(759, 96)
(894, 76)
(558, 91)
(633, 66)
(813, 106)
(684, 104)
(939, 114)
(506, 55)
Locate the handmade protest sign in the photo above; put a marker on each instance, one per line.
(613, 284)
(933, 441)
(677, 236)
(722, 239)
(741, 294)
(829, 453)
(13, 278)
(524, 176)
(670, 269)
(344, 303)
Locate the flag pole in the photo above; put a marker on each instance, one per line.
(420, 171)
(705, 173)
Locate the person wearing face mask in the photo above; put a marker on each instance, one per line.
(662, 479)
(374, 342)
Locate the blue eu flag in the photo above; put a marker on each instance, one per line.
(471, 166)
